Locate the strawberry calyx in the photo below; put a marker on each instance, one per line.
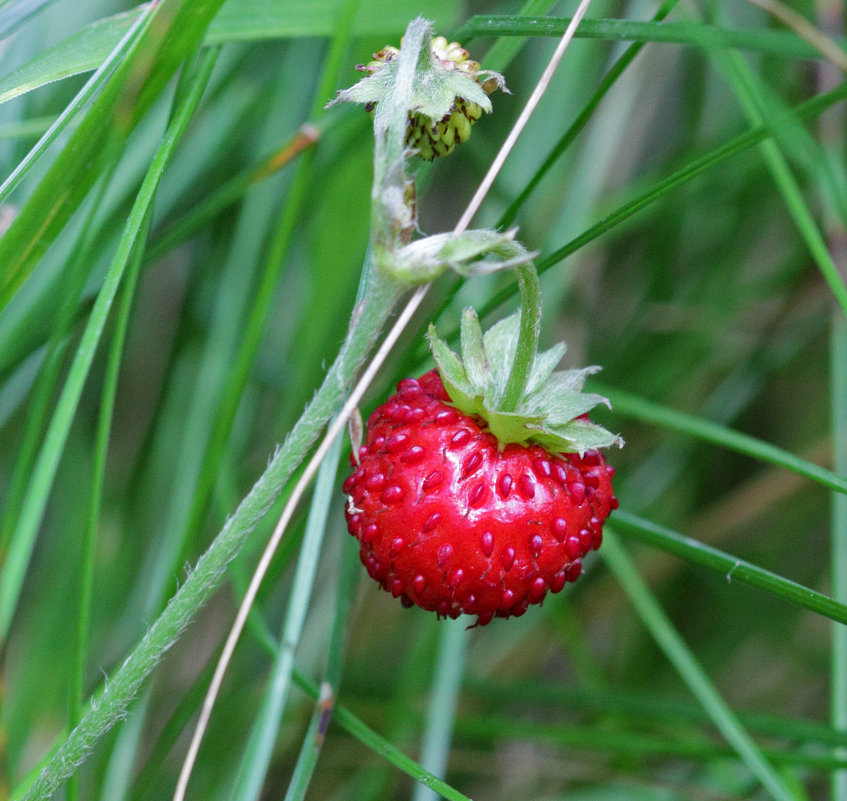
(449, 94)
(501, 377)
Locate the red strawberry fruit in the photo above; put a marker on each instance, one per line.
(462, 506)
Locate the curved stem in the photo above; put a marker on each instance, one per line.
(530, 288)
(108, 706)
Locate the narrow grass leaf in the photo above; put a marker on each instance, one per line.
(316, 733)
(732, 567)
(91, 88)
(259, 746)
(110, 703)
(127, 95)
(89, 550)
(582, 119)
(382, 747)
(708, 37)
(662, 630)
(238, 20)
(754, 99)
(624, 742)
(443, 703)
(647, 411)
(838, 674)
(72, 283)
(89, 49)
(16, 13)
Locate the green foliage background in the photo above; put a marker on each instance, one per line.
(178, 263)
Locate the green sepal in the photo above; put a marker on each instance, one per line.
(551, 408)
(434, 90)
(512, 427)
(577, 436)
(544, 364)
(454, 376)
(473, 352)
(501, 341)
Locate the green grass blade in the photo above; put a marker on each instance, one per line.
(690, 670)
(443, 703)
(90, 49)
(709, 37)
(212, 387)
(25, 129)
(379, 745)
(92, 86)
(582, 119)
(71, 286)
(15, 13)
(838, 368)
(109, 705)
(754, 99)
(646, 411)
(104, 428)
(259, 746)
(622, 742)
(35, 501)
(807, 110)
(174, 30)
(315, 735)
(245, 20)
(504, 49)
(734, 568)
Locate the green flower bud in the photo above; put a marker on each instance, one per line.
(450, 95)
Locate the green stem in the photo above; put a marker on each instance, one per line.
(838, 702)
(527, 347)
(110, 703)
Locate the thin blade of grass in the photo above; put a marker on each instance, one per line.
(122, 49)
(235, 299)
(761, 109)
(104, 428)
(625, 742)
(45, 469)
(708, 37)
(259, 746)
(662, 630)
(14, 14)
(734, 568)
(504, 49)
(443, 703)
(838, 673)
(316, 733)
(72, 283)
(720, 155)
(647, 411)
(246, 20)
(379, 745)
(251, 332)
(127, 95)
(582, 119)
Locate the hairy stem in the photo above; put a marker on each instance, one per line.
(530, 289)
(110, 704)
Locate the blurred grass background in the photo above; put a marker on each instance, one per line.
(232, 280)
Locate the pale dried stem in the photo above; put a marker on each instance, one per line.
(340, 421)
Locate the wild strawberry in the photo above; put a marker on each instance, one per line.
(461, 507)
